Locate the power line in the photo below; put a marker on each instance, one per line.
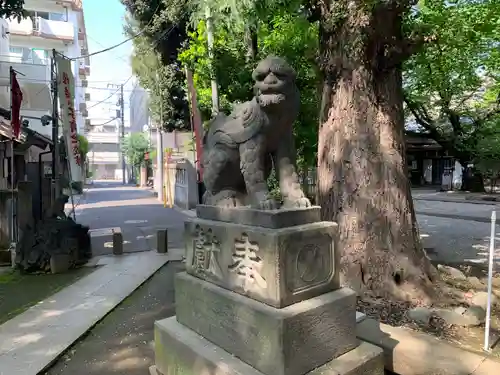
(116, 56)
(112, 94)
(105, 123)
(122, 42)
(48, 81)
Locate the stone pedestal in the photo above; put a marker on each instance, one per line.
(261, 295)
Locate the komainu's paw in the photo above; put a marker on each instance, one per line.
(267, 204)
(298, 203)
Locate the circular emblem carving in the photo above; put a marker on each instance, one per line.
(308, 261)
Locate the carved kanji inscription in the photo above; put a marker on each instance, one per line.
(247, 264)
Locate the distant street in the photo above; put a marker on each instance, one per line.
(136, 211)
(451, 231)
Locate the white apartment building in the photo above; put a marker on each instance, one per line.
(27, 47)
(103, 131)
(104, 155)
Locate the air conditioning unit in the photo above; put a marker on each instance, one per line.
(84, 52)
(83, 107)
(85, 83)
(87, 96)
(88, 122)
(85, 113)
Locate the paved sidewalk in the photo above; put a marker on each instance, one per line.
(451, 197)
(30, 342)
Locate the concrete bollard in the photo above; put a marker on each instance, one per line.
(117, 241)
(162, 241)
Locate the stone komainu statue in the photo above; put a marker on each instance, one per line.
(241, 149)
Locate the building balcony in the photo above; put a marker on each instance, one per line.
(58, 30)
(25, 27)
(54, 29)
(34, 80)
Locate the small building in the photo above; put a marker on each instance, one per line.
(30, 192)
(428, 161)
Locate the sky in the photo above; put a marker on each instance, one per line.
(104, 23)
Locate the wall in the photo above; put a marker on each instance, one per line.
(139, 110)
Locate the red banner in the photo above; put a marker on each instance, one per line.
(16, 99)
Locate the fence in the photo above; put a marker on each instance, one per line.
(181, 188)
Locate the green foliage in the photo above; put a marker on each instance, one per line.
(452, 85)
(83, 144)
(288, 34)
(135, 146)
(12, 9)
(161, 26)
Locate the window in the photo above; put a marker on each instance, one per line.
(29, 56)
(44, 15)
(57, 17)
(16, 50)
(52, 16)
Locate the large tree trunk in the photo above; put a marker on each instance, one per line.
(472, 180)
(362, 176)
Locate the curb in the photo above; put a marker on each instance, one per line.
(409, 352)
(451, 200)
(457, 217)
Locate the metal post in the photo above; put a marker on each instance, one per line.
(490, 282)
(55, 127)
(122, 132)
(210, 39)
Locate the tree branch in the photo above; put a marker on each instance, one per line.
(395, 55)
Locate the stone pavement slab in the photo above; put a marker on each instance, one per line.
(33, 340)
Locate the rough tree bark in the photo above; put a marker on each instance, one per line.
(362, 176)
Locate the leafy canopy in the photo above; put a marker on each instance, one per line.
(452, 85)
(135, 146)
(12, 9)
(286, 33)
(161, 26)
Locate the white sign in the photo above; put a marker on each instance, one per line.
(66, 87)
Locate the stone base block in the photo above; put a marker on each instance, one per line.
(275, 266)
(288, 341)
(178, 350)
(273, 219)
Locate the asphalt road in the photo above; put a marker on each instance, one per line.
(136, 211)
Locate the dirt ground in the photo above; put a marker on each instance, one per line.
(122, 343)
(19, 292)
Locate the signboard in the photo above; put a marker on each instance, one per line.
(66, 87)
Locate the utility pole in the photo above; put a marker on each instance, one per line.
(159, 153)
(55, 128)
(122, 132)
(210, 39)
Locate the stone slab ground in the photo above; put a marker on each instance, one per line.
(31, 289)
(31, 341)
